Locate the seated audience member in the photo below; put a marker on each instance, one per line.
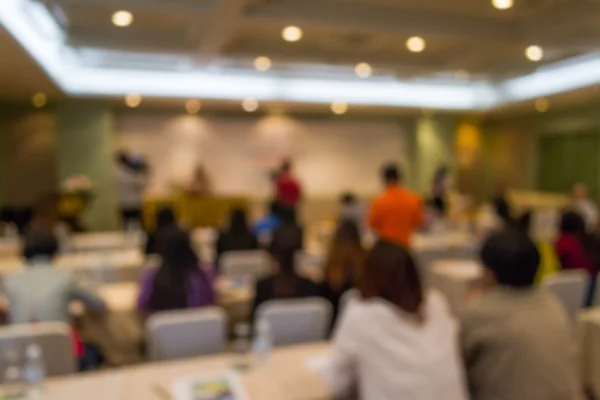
(399, 341)
(236, 237)
(165, 220)
(284, 283)
(270, 222)
(41, 292)
(515, 338)
(179, 282)
(502, 206)
(344, 263)
(577, 249)
(289, 235)
(352, 210)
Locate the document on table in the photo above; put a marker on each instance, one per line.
(215, 386)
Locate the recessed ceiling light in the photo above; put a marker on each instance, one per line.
(250, 105)
(363, 70)
(122, 18)
(416, 44)
(502, 4)
(133, 100)
(291, 33)
(534, 53)
(262, 63)
(542, 105)
(193, 106)
(39, 100)
(339, 108)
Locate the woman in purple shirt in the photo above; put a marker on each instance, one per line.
(179, 282)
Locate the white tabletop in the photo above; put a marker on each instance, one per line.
(454, 278)
(285, 376)
(104, 241)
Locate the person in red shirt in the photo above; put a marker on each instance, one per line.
(288, 189)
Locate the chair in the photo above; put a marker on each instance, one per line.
(570, 287)
(348, 296)
(54, 338)
(187, 333)
(296, 321)
(256, 263)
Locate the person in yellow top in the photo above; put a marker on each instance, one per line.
(397, 212)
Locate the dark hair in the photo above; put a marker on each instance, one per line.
(179, 261)
(392, 275)
(391, 173)
(286, 165)
(165, 218)
(523, 223)
(346, 255)
(512, 257)
(238, 224)
(286, 281)
(40, 244)
(572, 223)
(348, 199)
(274, 207)
(288, 215)
(440, 174)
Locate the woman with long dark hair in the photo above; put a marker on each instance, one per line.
(344, 263)
(577, 249)
(237, 236)
(179, 282)
(399, 340)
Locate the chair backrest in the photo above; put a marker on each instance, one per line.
(247, 262)
(296, 321)
(186, 333)
(54, 338)
(347, 297)
(570, 288)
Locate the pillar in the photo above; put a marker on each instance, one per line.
(85, 146)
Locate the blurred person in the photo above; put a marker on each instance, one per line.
(397, 212)
(501, 205)
(270, 221)
(399, 341)
(585, 207)
(289, 192)
(236, 237)
(578, 249)
(40, 292)
(284, 283)
(289, 235)
(200, 184)
(180, 281)
(439, 190)
(352, 210)
(515, 337)
(343, 264)
(131, 181)
(164, 220)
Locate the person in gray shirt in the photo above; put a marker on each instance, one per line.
(40, 292)
(516, 337)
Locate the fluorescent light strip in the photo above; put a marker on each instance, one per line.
(36, 30)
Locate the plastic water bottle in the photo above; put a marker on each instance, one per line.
(263, 341)
(34, 371)
(14, 386)
(241, 346)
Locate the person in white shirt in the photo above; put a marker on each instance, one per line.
(131, 183)
(585, 207)
(399, 341)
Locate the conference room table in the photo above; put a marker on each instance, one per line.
(119, 332)
(588, 349)
(105, 241)
(101, 266)
(455, 279)
(285, 375)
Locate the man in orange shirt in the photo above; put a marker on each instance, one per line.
(397, 212)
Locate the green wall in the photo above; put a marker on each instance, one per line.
(85, 146)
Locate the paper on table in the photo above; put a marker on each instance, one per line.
(319, 365)
(223, 385)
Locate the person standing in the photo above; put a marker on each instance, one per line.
(585, 207)
(289, 192)
(396, 213)
(131, 183)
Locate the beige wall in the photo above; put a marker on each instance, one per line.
(330, 155)
(27, 156)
